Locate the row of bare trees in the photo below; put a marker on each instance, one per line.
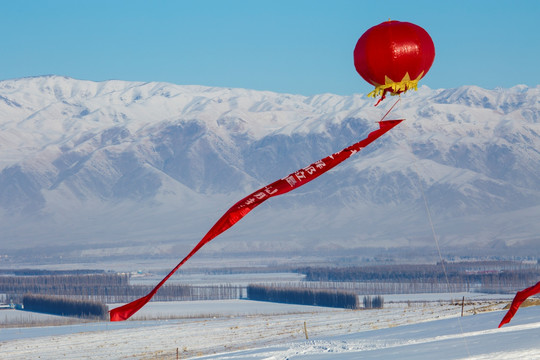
(109, 288)
(64, 306)
(452, 277)
(303, 296)
(484, 276)
(375, 302)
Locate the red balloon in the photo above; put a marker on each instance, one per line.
(393, 56)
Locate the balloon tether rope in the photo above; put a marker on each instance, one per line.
(432, 227)
(391, 108)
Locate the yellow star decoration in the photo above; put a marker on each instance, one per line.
(396, 88)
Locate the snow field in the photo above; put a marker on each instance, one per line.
(472, 337)
(242, 329)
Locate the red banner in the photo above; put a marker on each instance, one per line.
(520, 297)
(250, 202)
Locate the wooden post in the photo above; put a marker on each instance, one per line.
(462, 305)
(305, 330)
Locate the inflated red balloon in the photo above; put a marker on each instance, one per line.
(393, 56)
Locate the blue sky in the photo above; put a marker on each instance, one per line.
(292, 46)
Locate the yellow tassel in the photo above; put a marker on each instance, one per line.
(395, 88)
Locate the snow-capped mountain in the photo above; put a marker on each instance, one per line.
(120, 167)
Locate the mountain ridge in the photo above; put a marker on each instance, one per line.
(157, 163)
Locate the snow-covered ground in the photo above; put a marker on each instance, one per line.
(473, 337)
(242, 329)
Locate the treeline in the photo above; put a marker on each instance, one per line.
(30, 272)
(63, 281)
(379, 287)
(375, 302)
(478, 276)
(65, 306)
(94, 286)
(109, 288)
(303, 296)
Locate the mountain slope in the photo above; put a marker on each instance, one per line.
(90, 165)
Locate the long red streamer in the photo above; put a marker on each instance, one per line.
(520, 297)
(244, 206)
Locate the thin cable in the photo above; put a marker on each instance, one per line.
(391, 108)
(433, 232)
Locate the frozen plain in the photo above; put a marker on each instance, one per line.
(242, 329)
